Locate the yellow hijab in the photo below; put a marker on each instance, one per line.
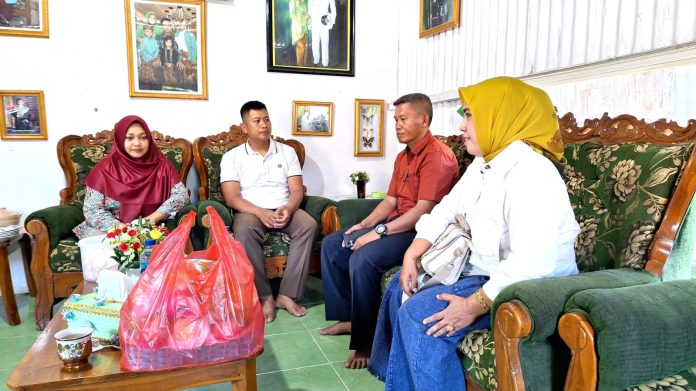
(505, 109)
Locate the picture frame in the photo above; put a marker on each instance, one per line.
(290, 41)
(312, 118)
(24, 115)
(369, 127)
(437, 16)
(165, 43)
(25, 18)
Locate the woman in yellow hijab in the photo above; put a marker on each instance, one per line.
(522, 227)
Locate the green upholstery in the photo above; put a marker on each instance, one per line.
(353, 211)
(60, 220)
(643, 332)
(619, 194)
(212, 155)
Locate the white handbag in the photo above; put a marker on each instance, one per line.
(444, 262)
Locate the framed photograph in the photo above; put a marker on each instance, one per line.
(312, 118)
(369, 127)
(24, 115)
(27, 18)
(166, 49)
(437, 16)
(311, 36)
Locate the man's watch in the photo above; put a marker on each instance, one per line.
(381, 230)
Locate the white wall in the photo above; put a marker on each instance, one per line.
(82, 69)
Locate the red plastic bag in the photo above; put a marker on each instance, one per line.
(185, 311)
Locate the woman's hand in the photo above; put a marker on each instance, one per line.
(460, 313)
(409, 268)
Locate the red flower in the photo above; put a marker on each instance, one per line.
(117, 231)
(135, 246)
(111, 235)
(123, 247)
(132, 232)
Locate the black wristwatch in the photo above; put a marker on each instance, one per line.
(381, 230)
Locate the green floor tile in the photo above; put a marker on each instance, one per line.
(335, 347)
(316, 318)
(13, 349)
(284, 323)
(358, 379)
(4, 375)
(289, 351)
(319, 378)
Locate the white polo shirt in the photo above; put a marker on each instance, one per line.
(263, 180)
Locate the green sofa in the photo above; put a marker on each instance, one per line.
(56, 264)
(208, 152)
(624, 178)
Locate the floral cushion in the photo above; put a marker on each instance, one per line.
(619, 194)
(682, 381)
(212, 157)
(276, 244)
(478, 358)
(84, 157)
(65, 257)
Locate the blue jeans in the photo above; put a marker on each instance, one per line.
(403, 356)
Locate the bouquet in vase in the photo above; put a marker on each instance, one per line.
(128, 242)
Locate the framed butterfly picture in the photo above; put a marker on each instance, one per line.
(369, 127)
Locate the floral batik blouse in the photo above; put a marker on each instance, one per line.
(101, 212)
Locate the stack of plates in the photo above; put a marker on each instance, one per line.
(8, 232)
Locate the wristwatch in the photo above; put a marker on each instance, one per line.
(381, 230)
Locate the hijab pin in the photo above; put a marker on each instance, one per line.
(280, 165)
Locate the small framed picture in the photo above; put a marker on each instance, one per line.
(312, 118)
(166, 49)
(311, 36)
(369, 127)
(437, 16)
(28, 18)
(24, 115)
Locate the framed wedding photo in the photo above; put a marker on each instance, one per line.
(369, 127)
(28, 18)
(437, 16)
(312, 118)
(311, 36)
(24, 115)
(166, 49)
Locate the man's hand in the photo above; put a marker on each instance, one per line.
(283, 218)
(365, 239)
(268, 217)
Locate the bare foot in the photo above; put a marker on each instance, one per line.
(357, 359)
(268, 305)
(337, 329)
(287, 303)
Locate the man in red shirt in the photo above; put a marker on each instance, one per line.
(424, 172)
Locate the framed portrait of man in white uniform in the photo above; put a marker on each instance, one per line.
(311, 36)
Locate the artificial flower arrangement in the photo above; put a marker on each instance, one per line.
(128, 242)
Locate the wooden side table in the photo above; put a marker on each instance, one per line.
(8, 296)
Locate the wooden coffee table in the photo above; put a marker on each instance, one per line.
(40, 369)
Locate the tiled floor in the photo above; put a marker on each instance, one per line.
(295, 356)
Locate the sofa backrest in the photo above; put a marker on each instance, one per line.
(208, 153)
(630, 184)
(78, 154)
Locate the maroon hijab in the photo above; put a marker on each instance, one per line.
(140, 185)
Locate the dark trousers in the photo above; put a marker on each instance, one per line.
(352, 281)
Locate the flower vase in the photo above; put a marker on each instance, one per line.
(133, 274)
(361, 188)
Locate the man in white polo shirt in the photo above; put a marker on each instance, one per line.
(262, 181)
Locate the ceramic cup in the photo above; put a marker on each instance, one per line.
(74, 347)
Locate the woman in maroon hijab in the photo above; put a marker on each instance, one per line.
(134, 180)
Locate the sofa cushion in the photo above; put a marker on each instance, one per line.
(212, 157)
(65, 257)
(611, 187)
(478, 358)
